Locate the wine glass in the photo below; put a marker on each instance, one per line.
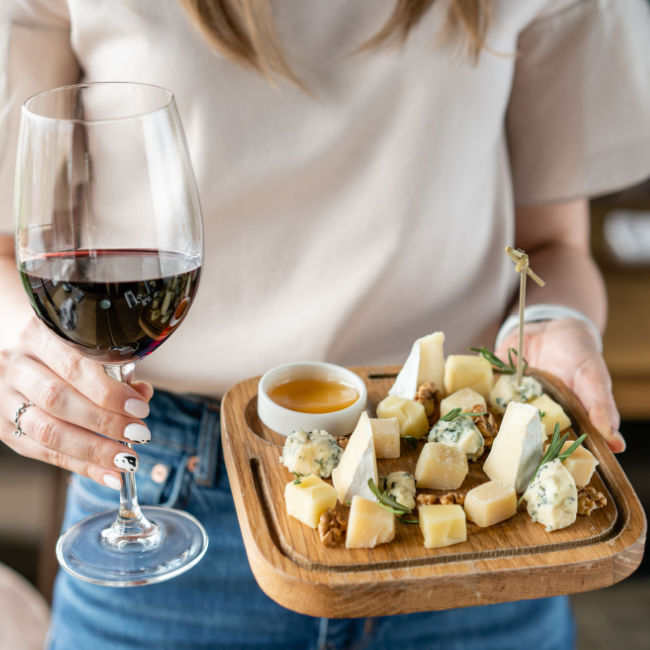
(109, 245)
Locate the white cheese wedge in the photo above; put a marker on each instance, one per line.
(358, 464)
(468, 371)
(517, 448)
(552, 497)
(368, 524)
(465, 399)
(426, 362)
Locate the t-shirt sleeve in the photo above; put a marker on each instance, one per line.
(35, 54)
(578, 121)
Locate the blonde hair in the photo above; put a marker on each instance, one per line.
(244, 30)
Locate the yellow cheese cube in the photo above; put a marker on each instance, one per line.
(308, 498)
(442, 525)
(465, 399)
(368, 524)
(468, 371)
(385, 436)
(490, 503)
(441, 467)
(410, 414)
(553, 414)
(581, 464)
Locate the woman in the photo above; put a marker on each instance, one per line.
(356, 198)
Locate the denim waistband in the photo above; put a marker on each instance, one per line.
(191, 424)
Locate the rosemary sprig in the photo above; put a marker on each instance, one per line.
(457, 412)
(411, 441)
(388, 503)
(497, 364)
(553, 451)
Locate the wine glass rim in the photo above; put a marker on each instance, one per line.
(89, 84)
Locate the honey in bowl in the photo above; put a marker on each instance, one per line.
(313, 395)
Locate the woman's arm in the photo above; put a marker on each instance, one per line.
(556, 237)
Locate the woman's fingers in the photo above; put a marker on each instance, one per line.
(593, 385)
(87, 376)
(54, 396)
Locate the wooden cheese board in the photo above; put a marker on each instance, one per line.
(513, 560)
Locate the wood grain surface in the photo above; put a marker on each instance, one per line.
(513, 560)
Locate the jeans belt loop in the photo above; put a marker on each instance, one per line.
(208, 446)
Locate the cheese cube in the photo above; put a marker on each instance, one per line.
(441, 467)
(505, 390)
(551, 414)
(368, 524)
(308, 498)
(468, 371)
(410, 414)
(581, 464)
(465, 399)
(385, 434)
(442, 525)
(490, 503)
(552, 497)
(517, 448)
(358, 464)
(426, 362)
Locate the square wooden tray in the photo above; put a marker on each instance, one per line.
(510, 561)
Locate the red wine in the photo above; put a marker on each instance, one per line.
(113, 305)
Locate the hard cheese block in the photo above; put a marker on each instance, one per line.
(441, 467)
(385, 433)
(368, 524)
(410, 414)
(468, 371)
(551, 414)
(308, 498)
(442, 525)
(358, 464)
(581, 464)
(465, 399)
(517, 448)
(490, 503)
(425, 363)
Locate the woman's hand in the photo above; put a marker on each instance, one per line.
(73, 401)
(567, 348)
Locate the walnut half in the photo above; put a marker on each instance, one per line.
(332, 526)
(449, 499)
(485, 424)
(590, 499)
(427, 395)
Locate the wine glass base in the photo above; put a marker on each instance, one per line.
(82, 553)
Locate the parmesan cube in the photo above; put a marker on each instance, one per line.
(385, 435)
(551, 413)
(490, 503)
(581, 464)
(468, 371)
(308, 498)
(410, 414)
(368, 524)
(465, 399)
(442, 525)
(441, 467)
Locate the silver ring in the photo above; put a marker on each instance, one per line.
(22, 408)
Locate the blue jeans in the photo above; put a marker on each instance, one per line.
(218, 604)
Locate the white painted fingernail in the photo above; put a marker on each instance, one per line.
(137, 433)
(137, 408)
(126, 462)
(111, 481)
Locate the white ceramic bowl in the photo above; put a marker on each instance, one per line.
(284, 420)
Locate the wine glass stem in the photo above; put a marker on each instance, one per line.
(130, 526)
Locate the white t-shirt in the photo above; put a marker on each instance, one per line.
(343, 224)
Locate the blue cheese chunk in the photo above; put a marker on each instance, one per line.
(552, 497)
(505, 390)
(401, 486)
(461, 432)
(313, 452)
